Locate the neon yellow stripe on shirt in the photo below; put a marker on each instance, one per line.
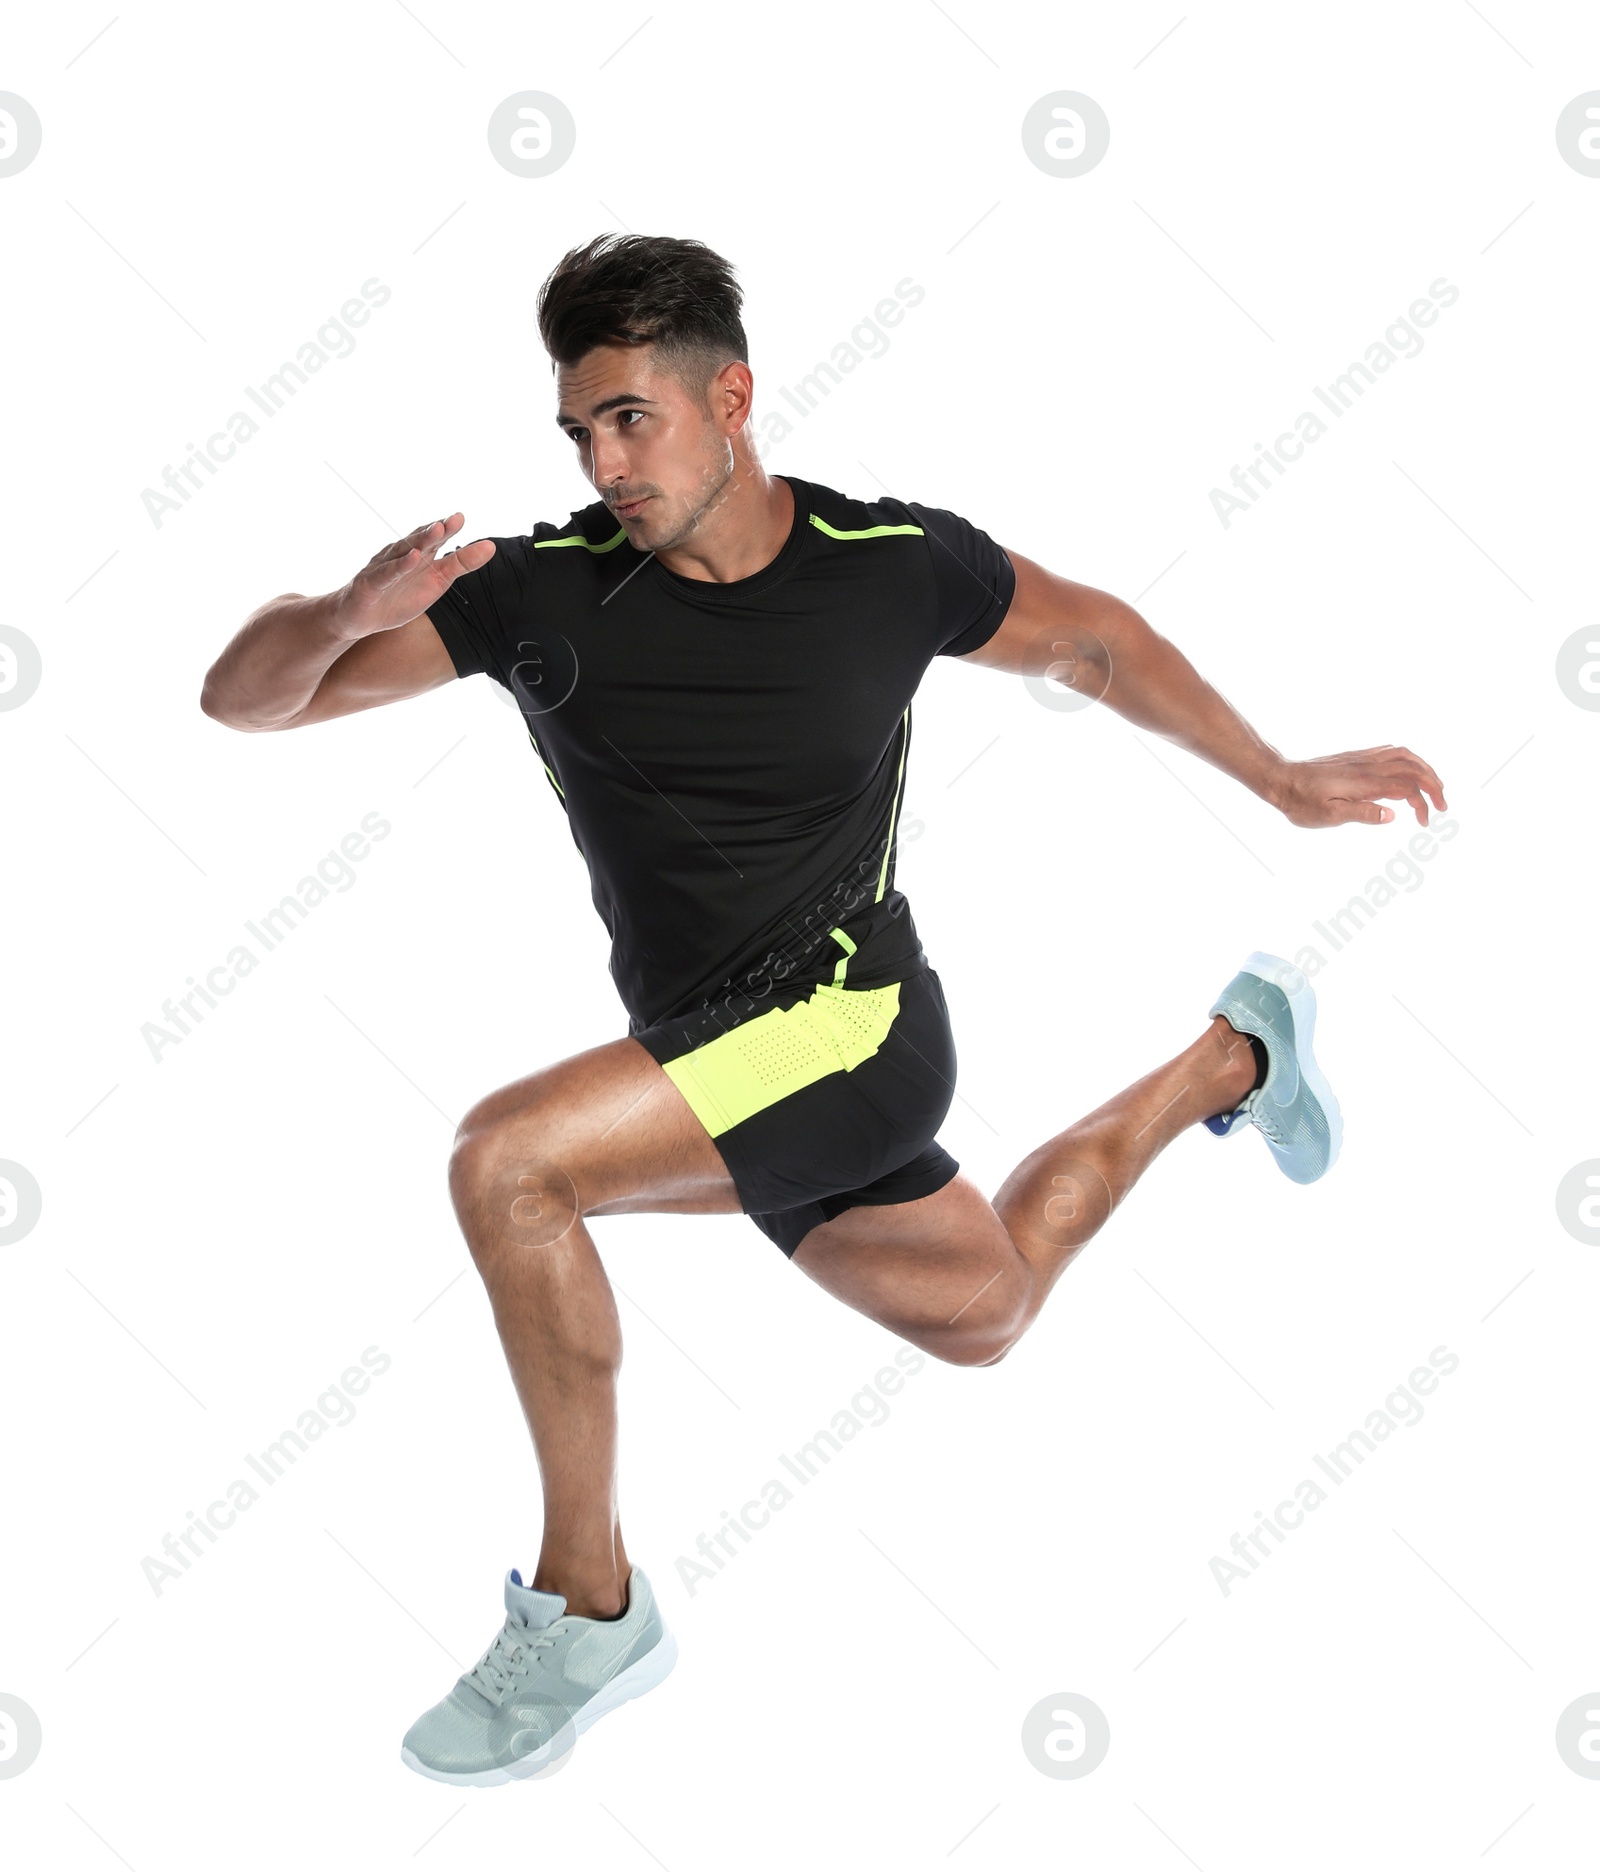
(894, 810)
(862, 532)
(577, 539)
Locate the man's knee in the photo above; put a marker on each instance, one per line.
(984, 1340)
(509, 1189)
(982, 1348)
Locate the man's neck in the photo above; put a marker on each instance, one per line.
(742, 529)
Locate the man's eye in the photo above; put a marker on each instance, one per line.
(630, 412)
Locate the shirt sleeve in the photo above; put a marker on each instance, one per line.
(479, 618)
(973, 579)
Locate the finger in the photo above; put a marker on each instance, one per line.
(425, 541)
(435, 533)
(401, 560)
(1417, 764)
(1424, 777)
(1432, 785)
(397, 549)
(1414, 795)
(1350, 811)
(1401, 783)
(435, 536)
(464, 559)
(1411, 785)
(431, 534)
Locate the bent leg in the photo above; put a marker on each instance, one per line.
(603, 1133)
(963, 1278)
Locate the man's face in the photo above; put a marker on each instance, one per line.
(655, 453)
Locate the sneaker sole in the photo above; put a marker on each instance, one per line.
(1303, 1005)
(639, 1677)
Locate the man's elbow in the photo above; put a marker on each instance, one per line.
(214, 705)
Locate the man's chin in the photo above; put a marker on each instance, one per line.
(650, 534)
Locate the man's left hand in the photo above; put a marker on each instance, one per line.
(1340, 789)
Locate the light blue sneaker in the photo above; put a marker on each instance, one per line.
(543, 1681)
(1292, 1108)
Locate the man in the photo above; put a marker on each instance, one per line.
(715, 667)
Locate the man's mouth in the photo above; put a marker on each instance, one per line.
(625, 510)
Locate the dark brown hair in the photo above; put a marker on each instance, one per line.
(638, 289)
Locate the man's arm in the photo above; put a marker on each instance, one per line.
(298, 660)
(1090, 641)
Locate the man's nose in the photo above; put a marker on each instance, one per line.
(610, 460)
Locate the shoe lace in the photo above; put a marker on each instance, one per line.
(1263, 1117)
(507, 1659)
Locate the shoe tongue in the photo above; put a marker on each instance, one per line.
(529, 1607)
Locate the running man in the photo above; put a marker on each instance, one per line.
(716, 667)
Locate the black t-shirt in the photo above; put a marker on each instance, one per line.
(732, 757)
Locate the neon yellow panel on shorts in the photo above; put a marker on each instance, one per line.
(741, 1073)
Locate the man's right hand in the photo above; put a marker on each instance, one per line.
(296, 660)
(399, 582)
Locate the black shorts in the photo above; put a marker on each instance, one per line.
(822, 1099)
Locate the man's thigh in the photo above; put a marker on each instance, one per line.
(919, 1267)
(608, 1126)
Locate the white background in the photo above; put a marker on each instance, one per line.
(224, 1231)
